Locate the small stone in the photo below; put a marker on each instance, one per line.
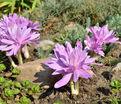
(36, 96)
(71, 26)
(8, 74)
(116, 72)
(116, 67)
(46, 87)
(46, 44)
(52, 96)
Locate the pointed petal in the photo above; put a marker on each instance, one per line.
(63, 81)
(76, 75)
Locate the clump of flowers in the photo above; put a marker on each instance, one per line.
(100, 35)
(71, 62)
(15, 33)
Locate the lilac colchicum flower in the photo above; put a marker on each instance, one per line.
(100, 35)
(15, 33)
(71, 62)
(93, 45)
(16, 38)
(11, 20)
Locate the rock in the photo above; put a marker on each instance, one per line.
(116, 72)
(52, 96)
(37, 73)
(8, 74)
(116, 53)
(71, 26)
(46, 44)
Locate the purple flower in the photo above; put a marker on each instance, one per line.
(15, 38)
(94, 45)
(100, 35)
(103, 35)
(70, 62)
(15, 32)
(9, 21)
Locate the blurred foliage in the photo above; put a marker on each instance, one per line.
(71, 35)
(114, 61)
(44, 53)
(11, 6)
(69, 10)
(114, 23)
(108, 48)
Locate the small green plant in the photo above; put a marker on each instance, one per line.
(24, 100)
(2, 67)
(8, 84)
(35, 89)
(2, 80)
(10, 89)
(15, 72)
(18, 85)
(9, 93)
(26, 83)
(116, 87)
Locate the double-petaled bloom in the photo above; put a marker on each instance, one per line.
(15, 32)
(100, 35)
(11, 20)
(71, 62)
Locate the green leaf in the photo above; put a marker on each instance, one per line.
(2, 67)
(14, 76)
(4, 4)
(115, 90)
(18, 85)
(34, 4)
(114, 100)
(57, 103)
(25, 5)
(16, 71)
(13, 6)
(112, 84)
(16, 91)
(117, 82)
(8, 84)
(9, 93)
(25, 100)
(5, 1)
(26, 83)
(2, 80)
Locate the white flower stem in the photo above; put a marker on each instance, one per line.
(12, 62)
(19, 56)
(25, 51)
(74, 87)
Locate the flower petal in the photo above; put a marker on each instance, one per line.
(65, 79)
